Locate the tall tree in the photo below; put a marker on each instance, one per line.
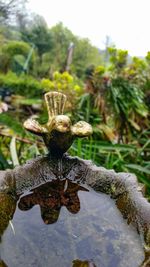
(9, 9)
(39, 35)
(84, 55)
(62, 38)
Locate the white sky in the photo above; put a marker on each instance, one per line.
(127, 22)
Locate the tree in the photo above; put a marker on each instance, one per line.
(39, 35)
(9, 9)
(62, 37)
(84, 55)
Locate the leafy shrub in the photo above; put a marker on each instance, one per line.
(65, 83)
(9, 52)
(24, 85)
(16, 48)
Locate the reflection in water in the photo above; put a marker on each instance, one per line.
(79, 263)
(51, 196)
(2, 263)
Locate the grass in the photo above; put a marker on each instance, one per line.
(120, 157)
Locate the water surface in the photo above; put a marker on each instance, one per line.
(56, 224)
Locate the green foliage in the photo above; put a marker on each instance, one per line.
(86, 110)
(84, 55)
(38, 34)
(62, 37)
(50, 48)
(61, 81)
(65, 83)
(4, 164)
(14, 51)
(16, 48)
(127, 102)
(118, 58)
(120, 157)
(118, 99)
(23, 85)
(16, 127)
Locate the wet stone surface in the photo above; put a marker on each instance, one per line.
(56, 224)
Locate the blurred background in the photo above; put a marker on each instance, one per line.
(97, 53)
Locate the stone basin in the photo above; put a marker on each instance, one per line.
(70, 212)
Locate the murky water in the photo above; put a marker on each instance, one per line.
(55, 225)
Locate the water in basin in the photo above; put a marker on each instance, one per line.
(63, 224)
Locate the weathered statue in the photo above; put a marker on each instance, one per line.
(58, 133)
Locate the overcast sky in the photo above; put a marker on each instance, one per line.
(127, 22)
